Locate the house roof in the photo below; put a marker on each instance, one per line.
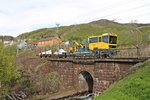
(47, 39)
(34, 43)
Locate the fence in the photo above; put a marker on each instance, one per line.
(141, 51)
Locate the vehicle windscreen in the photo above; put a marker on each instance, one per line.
(113, 40)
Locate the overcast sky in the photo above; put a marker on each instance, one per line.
(19, 16)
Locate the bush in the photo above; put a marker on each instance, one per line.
(8, 72)
(49, 83)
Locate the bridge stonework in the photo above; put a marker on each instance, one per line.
(103, 72)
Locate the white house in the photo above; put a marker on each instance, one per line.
(8, 42)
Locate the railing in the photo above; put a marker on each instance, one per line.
(134, 52)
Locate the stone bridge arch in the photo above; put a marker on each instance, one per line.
(98, 73)
(85, 80)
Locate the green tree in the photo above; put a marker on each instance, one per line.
(8, 72)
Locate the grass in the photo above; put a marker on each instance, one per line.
(135, 86)
(81, 32)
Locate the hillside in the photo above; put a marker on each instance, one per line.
(6, 38)
(135, 86)
(80, 32)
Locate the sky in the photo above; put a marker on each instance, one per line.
(20, 16)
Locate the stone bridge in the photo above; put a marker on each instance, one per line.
(98, 74)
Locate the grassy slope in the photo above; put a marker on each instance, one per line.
(82, 31)
(136, 86)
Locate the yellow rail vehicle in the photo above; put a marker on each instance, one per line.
(104, 41)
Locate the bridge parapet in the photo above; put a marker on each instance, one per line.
(94, 60)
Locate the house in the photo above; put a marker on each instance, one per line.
(8, 42)
(49, 41)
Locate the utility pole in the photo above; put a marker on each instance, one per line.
(57, 32)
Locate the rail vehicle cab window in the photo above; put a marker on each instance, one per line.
(105, 39)
(113, 40)
(93, 40)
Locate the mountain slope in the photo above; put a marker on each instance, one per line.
(133, 87)
(80, 32)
